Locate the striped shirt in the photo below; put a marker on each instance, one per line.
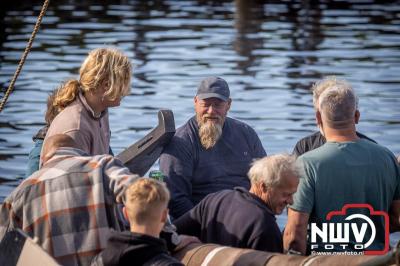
(70, 204)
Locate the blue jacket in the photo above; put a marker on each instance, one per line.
(233, 218)
(191, 172)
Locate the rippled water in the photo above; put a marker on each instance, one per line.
(269, 52)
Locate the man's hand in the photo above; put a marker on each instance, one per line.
(394, 216)
(186, 240)
(295, 235)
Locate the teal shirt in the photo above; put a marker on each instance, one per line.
(348, 172)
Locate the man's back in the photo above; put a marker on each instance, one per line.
(348, 172)
(234, 218)
(128, 248)
(69, 205)
(316, 140)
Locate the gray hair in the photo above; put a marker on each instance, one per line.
(269, 169)
(338, 104)
(329, 82)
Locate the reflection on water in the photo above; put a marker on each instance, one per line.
(269, 52)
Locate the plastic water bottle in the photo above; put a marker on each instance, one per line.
(157, 175)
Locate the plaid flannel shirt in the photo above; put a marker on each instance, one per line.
(70, 204)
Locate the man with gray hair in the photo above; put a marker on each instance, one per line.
(246, 219)
(210, 152)
(317, 139)
(345, 170)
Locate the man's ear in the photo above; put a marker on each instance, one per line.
(263, 187)
(164, 216)
(357, 116)
(125, 213)
(229, 104)
(318, 117)
(195, 103)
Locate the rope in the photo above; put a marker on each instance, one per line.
(24, 55)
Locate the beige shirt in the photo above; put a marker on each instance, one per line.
(77, 120)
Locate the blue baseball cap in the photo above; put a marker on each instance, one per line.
(213, 87)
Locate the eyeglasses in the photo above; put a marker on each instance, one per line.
(218, 105)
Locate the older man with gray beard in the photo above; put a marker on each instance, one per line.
(242, 218)
(209, 153)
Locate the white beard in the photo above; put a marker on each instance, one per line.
(209, 132)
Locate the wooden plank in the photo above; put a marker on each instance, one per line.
(141, 155)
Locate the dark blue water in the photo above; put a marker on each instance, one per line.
(269, 52)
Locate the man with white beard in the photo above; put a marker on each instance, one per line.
(209, 153)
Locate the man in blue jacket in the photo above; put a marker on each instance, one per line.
(242, 218)
(209, 153)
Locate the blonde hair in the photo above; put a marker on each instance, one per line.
(269, 170)
(145, 199)
(102, 67)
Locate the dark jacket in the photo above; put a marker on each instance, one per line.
(314, 141)
(233, 218)
(191, 172)
(127, 248)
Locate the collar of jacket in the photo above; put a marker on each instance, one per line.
(82, 98)
(259, 201)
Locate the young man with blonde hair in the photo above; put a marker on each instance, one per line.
(83, 103)
(146, 202)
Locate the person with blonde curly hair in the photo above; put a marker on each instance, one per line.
(104, 79)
